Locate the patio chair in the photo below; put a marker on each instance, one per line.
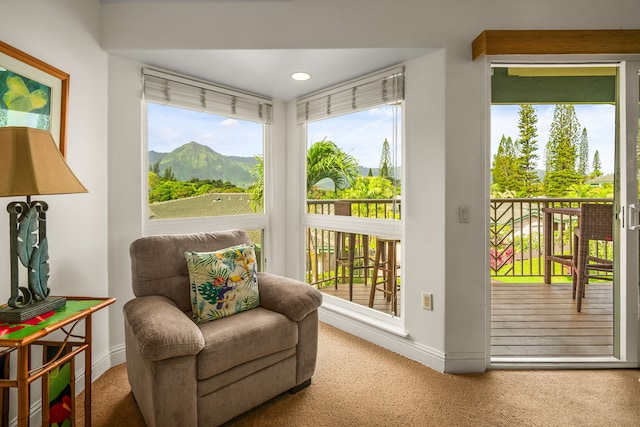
(345, 249)
(595, 224)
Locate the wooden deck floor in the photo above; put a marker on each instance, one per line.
(538, 320)
(534, 320)
(361, 296)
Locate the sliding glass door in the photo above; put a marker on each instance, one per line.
(563, 135)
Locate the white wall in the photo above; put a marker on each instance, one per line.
(125, 186)
(66, 35)
(446, 156)
(423, 210)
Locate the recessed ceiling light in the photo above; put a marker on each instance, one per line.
(300, 76)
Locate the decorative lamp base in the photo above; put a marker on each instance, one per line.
(18, 315)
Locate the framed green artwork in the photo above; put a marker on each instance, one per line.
(33, 94)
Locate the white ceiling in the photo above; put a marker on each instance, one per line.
(267, 72)
(189, 1)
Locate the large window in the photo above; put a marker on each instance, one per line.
(354, 179)
(356, 157)
(205, 156)
(202, 164)
(205, 147)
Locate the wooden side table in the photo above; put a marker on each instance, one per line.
(22, 337)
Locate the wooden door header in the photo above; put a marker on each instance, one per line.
(556, 42)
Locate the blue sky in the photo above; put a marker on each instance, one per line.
(599, 119)
(173, 127)
(362, 134)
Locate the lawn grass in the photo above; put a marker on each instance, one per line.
(522, 270)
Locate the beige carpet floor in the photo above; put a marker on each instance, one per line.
(360, 384)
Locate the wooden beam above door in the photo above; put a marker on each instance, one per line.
(556, 42)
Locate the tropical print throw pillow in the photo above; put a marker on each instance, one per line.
(223, 282)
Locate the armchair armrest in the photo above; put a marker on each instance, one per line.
(287, 296)
(160, 329)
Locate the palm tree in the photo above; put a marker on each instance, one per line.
(326, 160)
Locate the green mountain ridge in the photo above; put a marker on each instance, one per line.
(194, 160)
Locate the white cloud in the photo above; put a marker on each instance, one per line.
(230, 123)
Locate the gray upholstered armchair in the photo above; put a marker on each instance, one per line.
(184, 373)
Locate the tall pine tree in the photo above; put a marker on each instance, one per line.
(527, 146)
(597, 166)
(583, 154)
(385, 161)
(505, 170)
(562, 151)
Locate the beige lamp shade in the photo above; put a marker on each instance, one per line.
(31, 164)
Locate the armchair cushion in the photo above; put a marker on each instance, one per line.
(241, 338)
(160, 330)
(288, 296)
(223, 282)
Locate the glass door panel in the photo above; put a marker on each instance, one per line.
(553, 138)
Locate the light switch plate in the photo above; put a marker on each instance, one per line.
(463, 213)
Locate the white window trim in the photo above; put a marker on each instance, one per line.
(217, 223)
(382, 227)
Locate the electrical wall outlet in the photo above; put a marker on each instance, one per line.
(464, 212)
(427, 301)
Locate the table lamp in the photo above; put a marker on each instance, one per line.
(31, 164)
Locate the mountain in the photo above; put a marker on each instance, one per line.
(364, 171)
(154, 156)
(194, 160)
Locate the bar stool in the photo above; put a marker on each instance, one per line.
(345, 250)
(385, 261)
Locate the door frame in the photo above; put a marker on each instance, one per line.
(626, 322)
(626, 302)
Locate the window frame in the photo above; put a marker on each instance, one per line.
(384, 227)
(257, 221)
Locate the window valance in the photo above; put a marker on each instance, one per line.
(180, 91)
(385, 87)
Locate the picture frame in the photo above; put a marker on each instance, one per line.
(33, 94)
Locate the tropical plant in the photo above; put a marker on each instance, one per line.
(162, 189)
(370, 187)
(325, 160)
(256, 198)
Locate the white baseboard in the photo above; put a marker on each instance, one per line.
(117, 355)
(465, 363)
(398, 343)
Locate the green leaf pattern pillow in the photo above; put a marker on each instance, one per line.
(223, 282)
